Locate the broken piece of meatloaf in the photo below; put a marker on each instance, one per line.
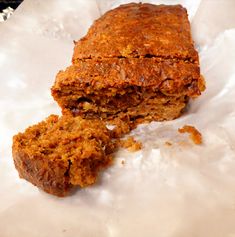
(60, 153)
(137, 62)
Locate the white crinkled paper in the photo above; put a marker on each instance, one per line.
(166, 191)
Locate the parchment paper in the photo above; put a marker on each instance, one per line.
(166, 191)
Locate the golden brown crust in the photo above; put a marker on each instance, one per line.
(139, 30)
(167, 76)
(60, 153)
(48, 175)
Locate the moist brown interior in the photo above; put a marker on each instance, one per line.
(82, 145)
(133, 102)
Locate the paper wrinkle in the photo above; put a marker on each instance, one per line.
(170, 191)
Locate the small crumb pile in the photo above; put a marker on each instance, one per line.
(195, 135)
(131, 144)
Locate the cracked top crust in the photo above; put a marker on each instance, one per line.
(139, 30)
(168, 76)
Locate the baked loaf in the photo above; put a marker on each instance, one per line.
(60, 153)
(136, 63)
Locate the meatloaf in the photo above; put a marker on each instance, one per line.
(136, 63)
(62, 152)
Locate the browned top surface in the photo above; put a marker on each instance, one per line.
(168, 76)
(139, 30)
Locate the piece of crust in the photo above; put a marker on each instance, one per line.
(194, 134)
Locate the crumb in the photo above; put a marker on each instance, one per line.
(168, 143)
(183, 144)
(195, 135)
(131, 144)
(123, 162)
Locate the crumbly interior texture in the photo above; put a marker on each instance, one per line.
(60, 153)
(136, 63)
(195, 135)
